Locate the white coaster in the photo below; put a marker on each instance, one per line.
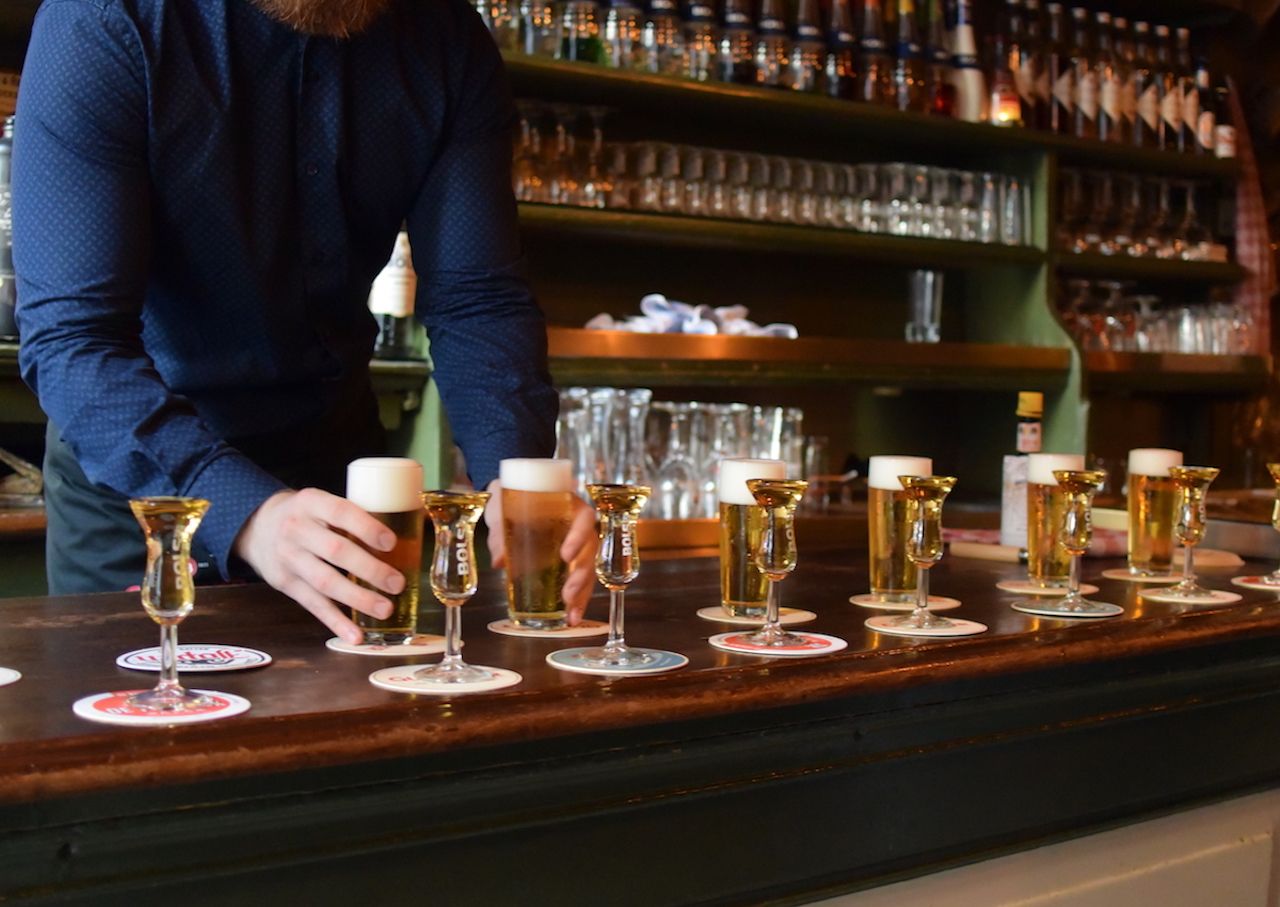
(8, 676)
(1213, 597)
(786, 616)
(814, 644)
(400, 679)
(1026, 587)
(422, 644)
(1123, 574)
(660, 662)
(1255, 582)
(1046, 609)
(197, 657)
(112, 708)
(956, 627)
(936, 603)
(507, 627)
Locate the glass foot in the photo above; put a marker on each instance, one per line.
(619, 657)
(453, 673)
(1068, 608)
(580, 661)
(902, 626)
(1195, 595)
(167, 701)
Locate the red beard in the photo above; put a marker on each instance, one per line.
(330, 18)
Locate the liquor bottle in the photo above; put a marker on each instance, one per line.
(1005, 105)
(966, 74)
(1013, 493)
(1190, 98)
(701, 49)
(1110, 84)
(875, 76)
(1014, 29)
(1122, 55)
(808, 50)
(623, 24)
(391, 299)
(772, 51)
(1086, 77)
(663, 39)
(1034, 61)
(1207, 106)
(736, 58)
(580, 32)
(1061, 75)
(1166, 74)
(841, 70)
(908, 67)
(1224, 129)
(1146, 90)
(940, 94)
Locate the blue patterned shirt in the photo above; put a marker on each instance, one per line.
(202, 197)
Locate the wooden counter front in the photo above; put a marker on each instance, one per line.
(735, 780)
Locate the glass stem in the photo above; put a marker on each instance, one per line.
(771, 618)
(452, 637)
(169, 659)
(920, 616)
(1073, 578)
(1188, 572)
(616, 616)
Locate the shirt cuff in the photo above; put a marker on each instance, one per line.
(235, 488)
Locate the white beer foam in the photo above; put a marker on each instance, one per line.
(883, 472)
(535, 474)
(1153, 461)
(1040, 466)
(385, 484)
(734, 472)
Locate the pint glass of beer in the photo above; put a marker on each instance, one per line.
(1153, 509)
(537, 508)
(390, 489)
(1048, 562)
(744, 591)
(893, 576)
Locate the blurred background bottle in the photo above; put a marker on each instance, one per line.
(391, 301)
(1013, 494)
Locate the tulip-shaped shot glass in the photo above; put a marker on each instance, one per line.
(1079, 486)
(924, 548)
(617, 565)
(1192, 485)
(1269, 582)
(776, 556)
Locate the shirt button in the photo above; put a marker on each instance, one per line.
(311, 170)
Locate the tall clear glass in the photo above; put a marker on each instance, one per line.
(453, 577)
(1153, 508)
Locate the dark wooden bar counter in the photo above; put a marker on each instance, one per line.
(734, 780)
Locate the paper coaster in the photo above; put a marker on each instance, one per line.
(786, 616)
(507, 627)
(1046, 609)
(8, 676)
(936, 603)
(1026, 587)
(814, 644)
(197, 657)
(1212, 597)
(956, 627)
(422, 644)
(573, 660)
(111, 708)
(1255, 582)
(400, 679)
(1123, 574)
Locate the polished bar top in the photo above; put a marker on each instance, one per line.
(314, 708)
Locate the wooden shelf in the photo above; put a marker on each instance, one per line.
(1176, 372)
(619, 358)
(1125, 267)
(710, 233)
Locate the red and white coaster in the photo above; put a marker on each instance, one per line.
(813, 644)
(1123, 574)
(1255, 582)
(113, 708)
(1026, 587)
(196, 657)
(8, 676)
(508, 627)
(954, 626)
(873, 601)
(1210, 597)
(422, 644)
(400, 679)
(786, 616)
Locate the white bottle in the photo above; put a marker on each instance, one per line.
(1013, 491)
(391, 300)
(966, 73)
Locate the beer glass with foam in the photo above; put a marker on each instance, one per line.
(537, 510)
(893, 576)
(1048, 561)
(744, 591)
(390, 489)
(1153, 509)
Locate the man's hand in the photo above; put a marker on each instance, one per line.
(296, 543)
(578, 550)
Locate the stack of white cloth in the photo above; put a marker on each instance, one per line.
(660, 315)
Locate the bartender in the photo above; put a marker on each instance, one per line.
(203, 194)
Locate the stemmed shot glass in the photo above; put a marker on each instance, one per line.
(925, 495)
(617, 565)
(1191, 484)
(1271, 581)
